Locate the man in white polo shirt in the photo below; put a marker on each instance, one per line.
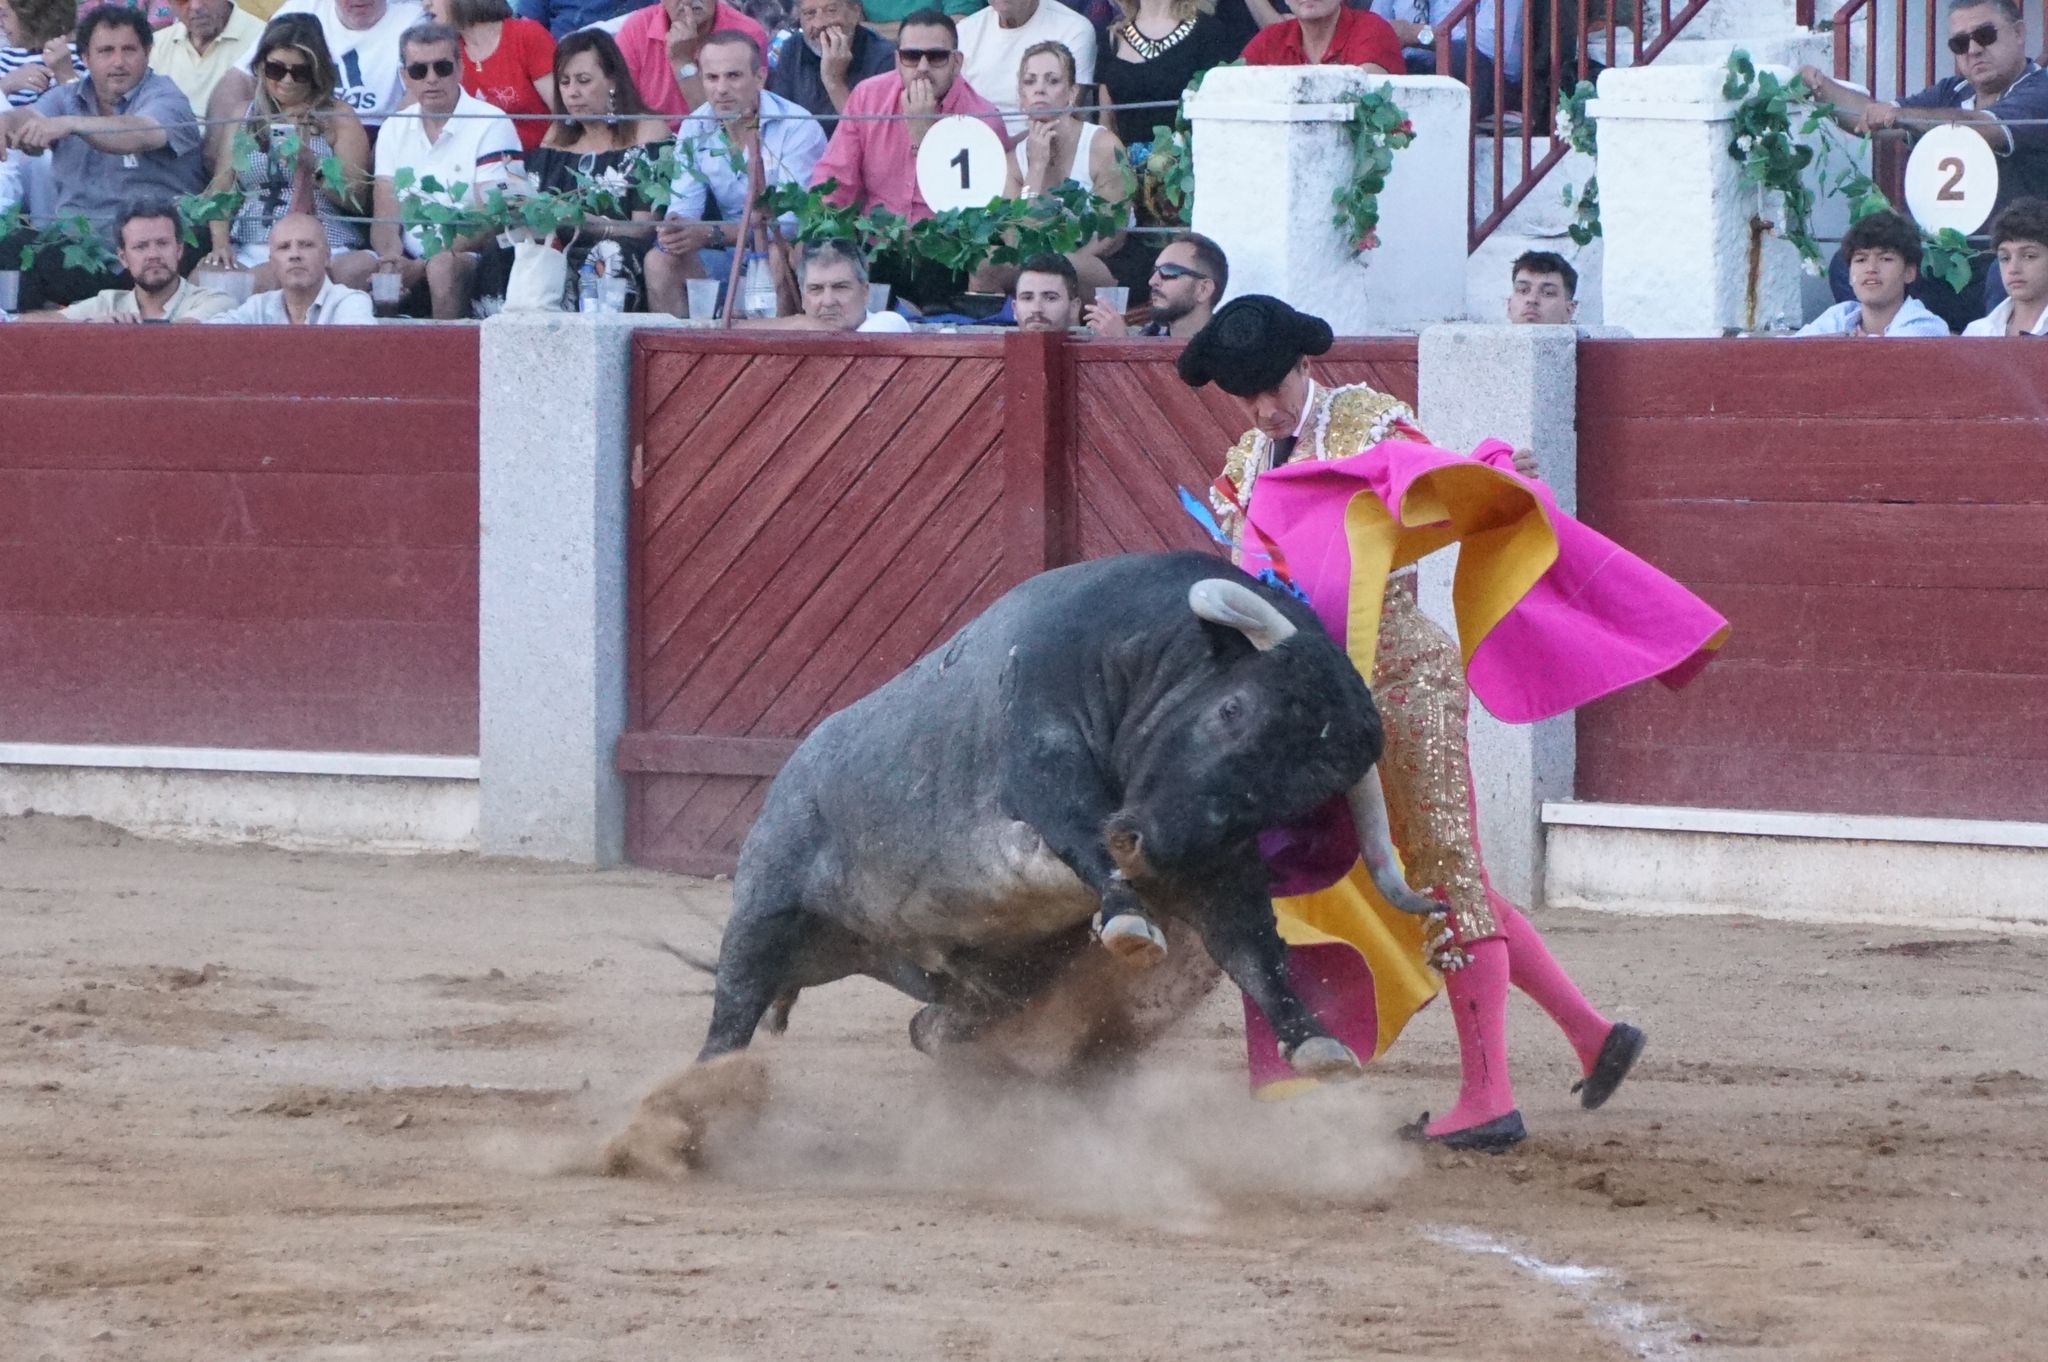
(992, 43)
(364, 37)
(305, 296)
(473, 149)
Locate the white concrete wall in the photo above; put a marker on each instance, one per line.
(1271, 145)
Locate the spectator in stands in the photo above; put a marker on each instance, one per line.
(740, 121)
(2019, 235)
(146, 239)
(1150, 55)
(994, 41)
(607, 137)
(210, 39)
(305, 295)
(293, 94)
(1048, 294)
(1415, 23)
(37, 53)
(2000, 94)
(122, 133)
(832, 288)
(1188, 278)
(507, 62)
(563, 17)
(663, 44)
(831, 52)
(1543, 290)
(475, 149)
(1328, 33)
(364, 37)
(1883, 251)
(1060, 148)
(875, 160)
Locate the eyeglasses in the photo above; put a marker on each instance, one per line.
(1176, 272)
(277, 70)
(1984, 35)
(418, 70)
(924, 56)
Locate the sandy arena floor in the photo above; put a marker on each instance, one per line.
(258, 1105)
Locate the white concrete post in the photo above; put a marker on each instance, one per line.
(1684, 253)
(1519, 384)
(552, 583)
(1271, 145)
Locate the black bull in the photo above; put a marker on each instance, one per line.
(1107, 738)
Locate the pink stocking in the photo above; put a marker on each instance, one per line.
(1479, 1005)
(1533, 969)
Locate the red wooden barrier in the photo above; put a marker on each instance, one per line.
(813, 513)
(215, 536)
(1873, 520)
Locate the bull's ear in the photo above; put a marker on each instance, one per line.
(1222, 601)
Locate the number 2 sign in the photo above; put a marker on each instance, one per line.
(1951, 179)
(960, 164)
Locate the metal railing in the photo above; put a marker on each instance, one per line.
(1562, 43)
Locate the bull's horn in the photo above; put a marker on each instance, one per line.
(1221, 601)
(1376, 846)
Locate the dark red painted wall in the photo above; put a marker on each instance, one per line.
(1873, 520)
(220, 536)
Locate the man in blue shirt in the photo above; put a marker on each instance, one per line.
(739, 120)
(831, 52)
(563, 17)
(1997, 92)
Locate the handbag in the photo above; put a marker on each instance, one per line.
(539, 278)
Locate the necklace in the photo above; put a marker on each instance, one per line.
(1148, 49)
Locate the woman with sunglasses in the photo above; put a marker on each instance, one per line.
(608, 138)
(256, 122)
(507, 62)
(1058, 148)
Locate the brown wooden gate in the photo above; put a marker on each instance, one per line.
(813, 513)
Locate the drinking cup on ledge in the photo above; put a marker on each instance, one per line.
(703, 298)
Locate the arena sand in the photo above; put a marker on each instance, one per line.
(258, 1105)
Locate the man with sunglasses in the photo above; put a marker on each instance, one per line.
(457, 140)
(1999, 93)
(1188, 280)
(363, 36)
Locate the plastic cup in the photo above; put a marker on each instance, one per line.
(10, 290)
(385, 288)
(1116, 298)
(878, 298)
(612, 290)
(703, 298)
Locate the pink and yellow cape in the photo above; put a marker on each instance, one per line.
(1551, 615)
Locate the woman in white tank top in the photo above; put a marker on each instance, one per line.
(1059, 148)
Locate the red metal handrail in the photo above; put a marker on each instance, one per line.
(1537, 105)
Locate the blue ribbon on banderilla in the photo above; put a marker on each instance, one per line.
(1275, 576)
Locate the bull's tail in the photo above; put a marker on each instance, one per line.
(696, 962)
(778, 1011)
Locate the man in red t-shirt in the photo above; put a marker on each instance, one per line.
(1328, 33)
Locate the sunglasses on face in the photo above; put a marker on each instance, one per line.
(277, 70)
(1984, 35)
(418, 70)
(924, 56)
(1176, 272)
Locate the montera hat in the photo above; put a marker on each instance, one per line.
(1251, 344)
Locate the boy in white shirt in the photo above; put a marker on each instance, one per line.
(2020, 236)
(1883, 251)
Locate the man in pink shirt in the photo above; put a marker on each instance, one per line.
(875, 160)
(660, 45)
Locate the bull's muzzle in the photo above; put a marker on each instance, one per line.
(1127, 848)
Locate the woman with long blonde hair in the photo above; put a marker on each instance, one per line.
(288, 96)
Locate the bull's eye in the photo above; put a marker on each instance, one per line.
(1233, 709)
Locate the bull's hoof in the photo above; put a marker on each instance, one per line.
(668, 1135)
(1133, 940)
(1324, 1059)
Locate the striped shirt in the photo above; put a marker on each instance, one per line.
(12, 59)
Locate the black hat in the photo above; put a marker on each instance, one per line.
(1250, 344)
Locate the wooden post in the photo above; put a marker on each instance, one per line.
(1039, 529)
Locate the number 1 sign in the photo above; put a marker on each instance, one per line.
(1951, 179)
(960, 164)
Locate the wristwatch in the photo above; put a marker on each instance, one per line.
(1425, 36)
(686, 70)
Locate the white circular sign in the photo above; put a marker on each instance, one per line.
(1951, 179)
(960, 164)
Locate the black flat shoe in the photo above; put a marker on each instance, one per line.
(1497, 1136)
(1617, 1056)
